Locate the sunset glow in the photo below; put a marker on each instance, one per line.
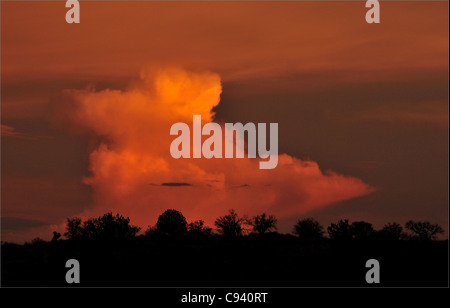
(362, 111)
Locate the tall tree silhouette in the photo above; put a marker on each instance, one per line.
(74, 228)
(392, 231)
(263, 223)
(424, 230)
(308, 229)
(172, 223)
(230, 225)
(361, 230)
(340, 230)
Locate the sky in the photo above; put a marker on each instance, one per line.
(86, 111)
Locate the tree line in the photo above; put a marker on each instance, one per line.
(173, 223)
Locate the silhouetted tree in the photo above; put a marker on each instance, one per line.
(424, 230)
(74, 228)
(340, 231)
(151, 231)
(106, 227)
(198, 228)
(109, 226)
(263, 223)
(393, 231)
(361, 230)
(231, 224)
(89, 229)
(172, 223)
(308, 229)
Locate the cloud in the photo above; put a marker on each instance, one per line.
(9, 131)
(19, 230)
(175, 184)
(14, 223)
(133, 126)
(369, 165)
(427, 112)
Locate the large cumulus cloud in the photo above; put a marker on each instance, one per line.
(133, 173)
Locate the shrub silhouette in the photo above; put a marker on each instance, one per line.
(361, 230)
(172, 223)
(230, 225)
(424, 230)
(340, 230)
(308, 229)
(56, 236)
(198, 228)
(263, 223)
(106, 227)
(37, 241)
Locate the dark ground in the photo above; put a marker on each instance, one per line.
(272, 260)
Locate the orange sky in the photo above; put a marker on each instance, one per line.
(366, 101)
